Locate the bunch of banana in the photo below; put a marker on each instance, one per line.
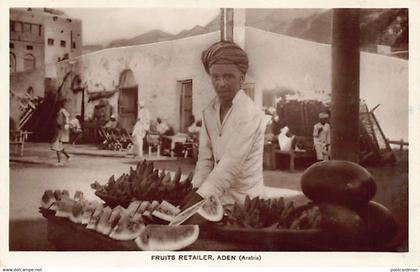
(273, 213)
(146, 183)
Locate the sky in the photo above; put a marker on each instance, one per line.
(100, 26)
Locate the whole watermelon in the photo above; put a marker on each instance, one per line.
(340, 182)
(344, 226)
(381, 224)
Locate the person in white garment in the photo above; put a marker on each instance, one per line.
(141, 128)
(286, 139)
(61, 127)
(230, 156)
(322, 137)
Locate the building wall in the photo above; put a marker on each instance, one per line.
(281, 61)
(60, 28)
(157, 68)
(26, 37)
(45, 26)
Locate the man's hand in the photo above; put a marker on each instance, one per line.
(190, 199)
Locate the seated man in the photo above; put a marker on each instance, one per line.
(286, 139)
(162, 127)
(75, 129)
(112, 123)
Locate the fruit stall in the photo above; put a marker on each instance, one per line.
(141, 210)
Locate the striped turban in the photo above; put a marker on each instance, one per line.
(225, 52)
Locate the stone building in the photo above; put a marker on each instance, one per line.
(39, 38)
(169, 77)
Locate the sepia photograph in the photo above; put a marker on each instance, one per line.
(208, 129)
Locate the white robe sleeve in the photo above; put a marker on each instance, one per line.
(205, 162)
(227, 169)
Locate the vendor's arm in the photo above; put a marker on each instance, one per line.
(205, 162)
(225, 172)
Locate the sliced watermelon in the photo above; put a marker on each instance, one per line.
(47, 199)
(78, 195)
(212, 210)
(166, 211)
(184, 215)
(77, 211)
(65, 193)
(101, 225)
(147, 214)
(88, 211)
(132, 208)
(95, 217)
(57, 194)
(164, 237)
(113, 220)
(143, 207)
(64, 207)
(127, 228)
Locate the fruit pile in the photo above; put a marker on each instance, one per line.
(142, 221)
(343, 192)
(271, 213)
(144, 183)
(340, 203)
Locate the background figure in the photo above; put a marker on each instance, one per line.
(75, 129)
(141, 128)
(61, 127)
(112, 123)
(322, 137)
(286, 139)
(162, 127)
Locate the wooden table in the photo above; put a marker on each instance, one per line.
(68, 236)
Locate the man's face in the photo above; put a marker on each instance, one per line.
(226, 80)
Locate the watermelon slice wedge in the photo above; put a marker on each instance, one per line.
(164, 237)
(184, 215)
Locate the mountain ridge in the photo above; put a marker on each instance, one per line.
(378, 26)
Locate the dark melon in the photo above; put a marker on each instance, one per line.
(341, 182)
(342, 224)
(381, 224)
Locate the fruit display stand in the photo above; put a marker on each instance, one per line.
(65, 235)
(212, 238)
(82, 239)
(334, 212)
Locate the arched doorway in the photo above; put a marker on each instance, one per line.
(79, 91)
(29, 62)
(127, 100)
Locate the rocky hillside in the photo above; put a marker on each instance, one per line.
(378, 26)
